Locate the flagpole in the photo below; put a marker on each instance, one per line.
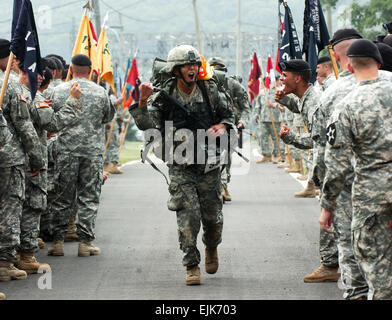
(333, 60)
(6, 78)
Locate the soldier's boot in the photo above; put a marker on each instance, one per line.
(30, 264)
(284, 164)
(302, 177)
(308, 192)
(71, 232)
(114, 169)
(192, 275)
(211, 260)
(323, 274)
(264, 160)
(296, 167)
(87, 249)
(225, 194)
(9, 272)
(275, 159)
(57, 248)
(2, 296)
(106, 167)
(41, 243)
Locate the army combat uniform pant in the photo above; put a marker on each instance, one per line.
(33, 206)
(267, 133)
(225, 173)
(294, 152)
(111, 154)
(372, 245)
(80, 178)
(12, 193)
(353, 281)
(198, 200)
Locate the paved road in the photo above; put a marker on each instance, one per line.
(270, 242)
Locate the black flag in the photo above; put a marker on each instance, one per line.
(290, 47)
(315, 33)
(24, 42)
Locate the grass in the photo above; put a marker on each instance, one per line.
(130, 151)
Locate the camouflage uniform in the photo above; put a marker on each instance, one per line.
(43, 118)
(241, 105)
(359, 140)
(307, 106)
(12, 174)
(79, 160)
(194, 195)
(5, 135)
(266, 128)
(46, 226)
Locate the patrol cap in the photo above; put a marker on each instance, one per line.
(295, 65)
(324, 59)
(386, 54)
(81, 60)
(4, 48)
(388, 40)
(364, 48)
(344, 34)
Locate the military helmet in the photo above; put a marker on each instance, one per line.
(216, 60)
(181, 55)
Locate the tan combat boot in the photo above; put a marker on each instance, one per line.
(212, 261)
(29, 264)
(323, 274)
(41, 243)
(308, 192)
(264, 160)
(57, 248)
(114, 169)
(275, 159)
(225, 194)
(2, 296)
(192, 275)
(296, 167)
(71, 232)
(106, 168)
(87, 249)
(9, 272)
(302, 177)
(284, 164)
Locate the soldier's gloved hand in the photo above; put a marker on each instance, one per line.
(75, 90)
(146, 90)
(284, 131)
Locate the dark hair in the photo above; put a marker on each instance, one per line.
(65, 72)
(49, 63)
(59, 65)
(47, 77)
(305, 75)
(57, 57)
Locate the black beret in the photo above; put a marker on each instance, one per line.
(388, 40)
(364, 48)
(4, 48)
(344, 34)
(324, 60)
(386, 54)
(81, 60)
(48, 62)
(295, 65)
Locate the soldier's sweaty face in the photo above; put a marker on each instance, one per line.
(190, 72)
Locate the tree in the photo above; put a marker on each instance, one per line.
(368, 18)
(329, 5)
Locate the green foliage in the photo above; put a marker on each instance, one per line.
(329, 3)
(368, 18)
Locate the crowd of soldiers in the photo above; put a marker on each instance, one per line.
(52, 167)
(334, 133)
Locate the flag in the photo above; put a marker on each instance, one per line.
(255, 74)
(290, 47)
(270, 77)
(25, 43)
(131, 85)
(127, 87)
(105, 64)
(117, 81)
(85, 43)
(205, 72)
(280, 35)
(315, 33)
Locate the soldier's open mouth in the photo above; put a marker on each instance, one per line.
(191, 76)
